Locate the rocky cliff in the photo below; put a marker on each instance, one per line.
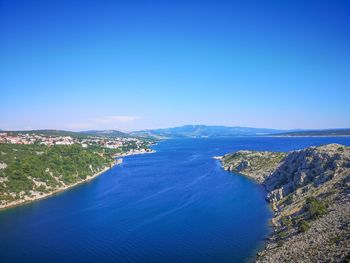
(309, 191)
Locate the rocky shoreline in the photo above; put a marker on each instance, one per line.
(309, 191)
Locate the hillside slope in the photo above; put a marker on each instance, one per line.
(309, 191)
(30, 172)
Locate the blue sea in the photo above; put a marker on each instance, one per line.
(176, 205)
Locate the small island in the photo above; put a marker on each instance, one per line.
(309, 191)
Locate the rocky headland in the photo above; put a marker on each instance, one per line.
(309, 191)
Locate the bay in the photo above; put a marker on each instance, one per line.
(176, 205)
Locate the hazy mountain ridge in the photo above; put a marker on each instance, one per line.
(110, 133)
(200, 131)
(48, 132)
(192, 131)
(309, 190)
(78, 134)
(323, 132)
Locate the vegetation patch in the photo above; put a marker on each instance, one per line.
(303, 226)
(55, 166)
(315, 208)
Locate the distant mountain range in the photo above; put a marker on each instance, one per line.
(327, 132)
(195, 131)
(200, 131)
(109, 133)
(50, 132)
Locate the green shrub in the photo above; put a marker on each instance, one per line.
(286, 221)
(279, 243)
(303, 226)
(41, 188)
(347, 258)
(315, 208)
(282, 234)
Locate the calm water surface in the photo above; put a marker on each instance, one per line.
(176, 205)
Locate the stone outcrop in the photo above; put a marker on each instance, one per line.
(256, 165)
(309, 191)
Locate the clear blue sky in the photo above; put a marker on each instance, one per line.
(145, 64)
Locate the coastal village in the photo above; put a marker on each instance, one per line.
(138, 144)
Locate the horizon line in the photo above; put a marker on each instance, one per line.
(170, 127)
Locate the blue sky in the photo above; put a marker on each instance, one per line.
(146, 64)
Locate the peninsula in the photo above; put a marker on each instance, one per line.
(309, 191)
(37, 164)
